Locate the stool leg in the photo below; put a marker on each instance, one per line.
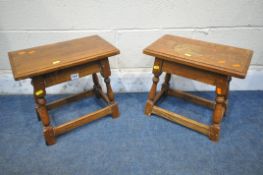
(166, 84)
(221, 93)
(35, 99)
(105, 72)
(109, 89)
(227, 94)
(36, 107)
(96, 86)
(39, 94)
(157, 72)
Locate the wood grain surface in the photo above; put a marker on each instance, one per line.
(48, 58)
(223, 59)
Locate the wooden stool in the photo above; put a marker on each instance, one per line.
(206, 62)
(64, 61)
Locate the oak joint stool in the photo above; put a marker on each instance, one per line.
(206, 62)
(61, 62)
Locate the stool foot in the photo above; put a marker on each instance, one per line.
(115, 111)
(49, 135)
(214, 132)
(148, 108)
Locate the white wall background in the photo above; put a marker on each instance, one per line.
(130, 25)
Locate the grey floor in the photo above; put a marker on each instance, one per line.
(133, 144)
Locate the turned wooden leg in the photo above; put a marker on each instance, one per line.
(227, 94)
(105, 72)
(221, 93)
(48, 129)
(166, 84)
(157, 72)
(39, 93)
(35, 99)
(36, 107)
(96, 86)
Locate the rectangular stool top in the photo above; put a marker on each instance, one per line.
(48, 58)
(217, 58)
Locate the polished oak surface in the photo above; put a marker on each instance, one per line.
(48, 58)
(217, 58)
(210, 63)
(56, 63)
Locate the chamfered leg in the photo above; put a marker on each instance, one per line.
(39, 94)
(105, 72)
(157, 71)
(220, 107)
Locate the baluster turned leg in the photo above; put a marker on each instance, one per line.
(166, 84)
(227, 94)
(39, 94)
(105, 72)
(36, 108)
(35, 99)
(109, 89)
(220, 107)
(157, 67)
(96, 86)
